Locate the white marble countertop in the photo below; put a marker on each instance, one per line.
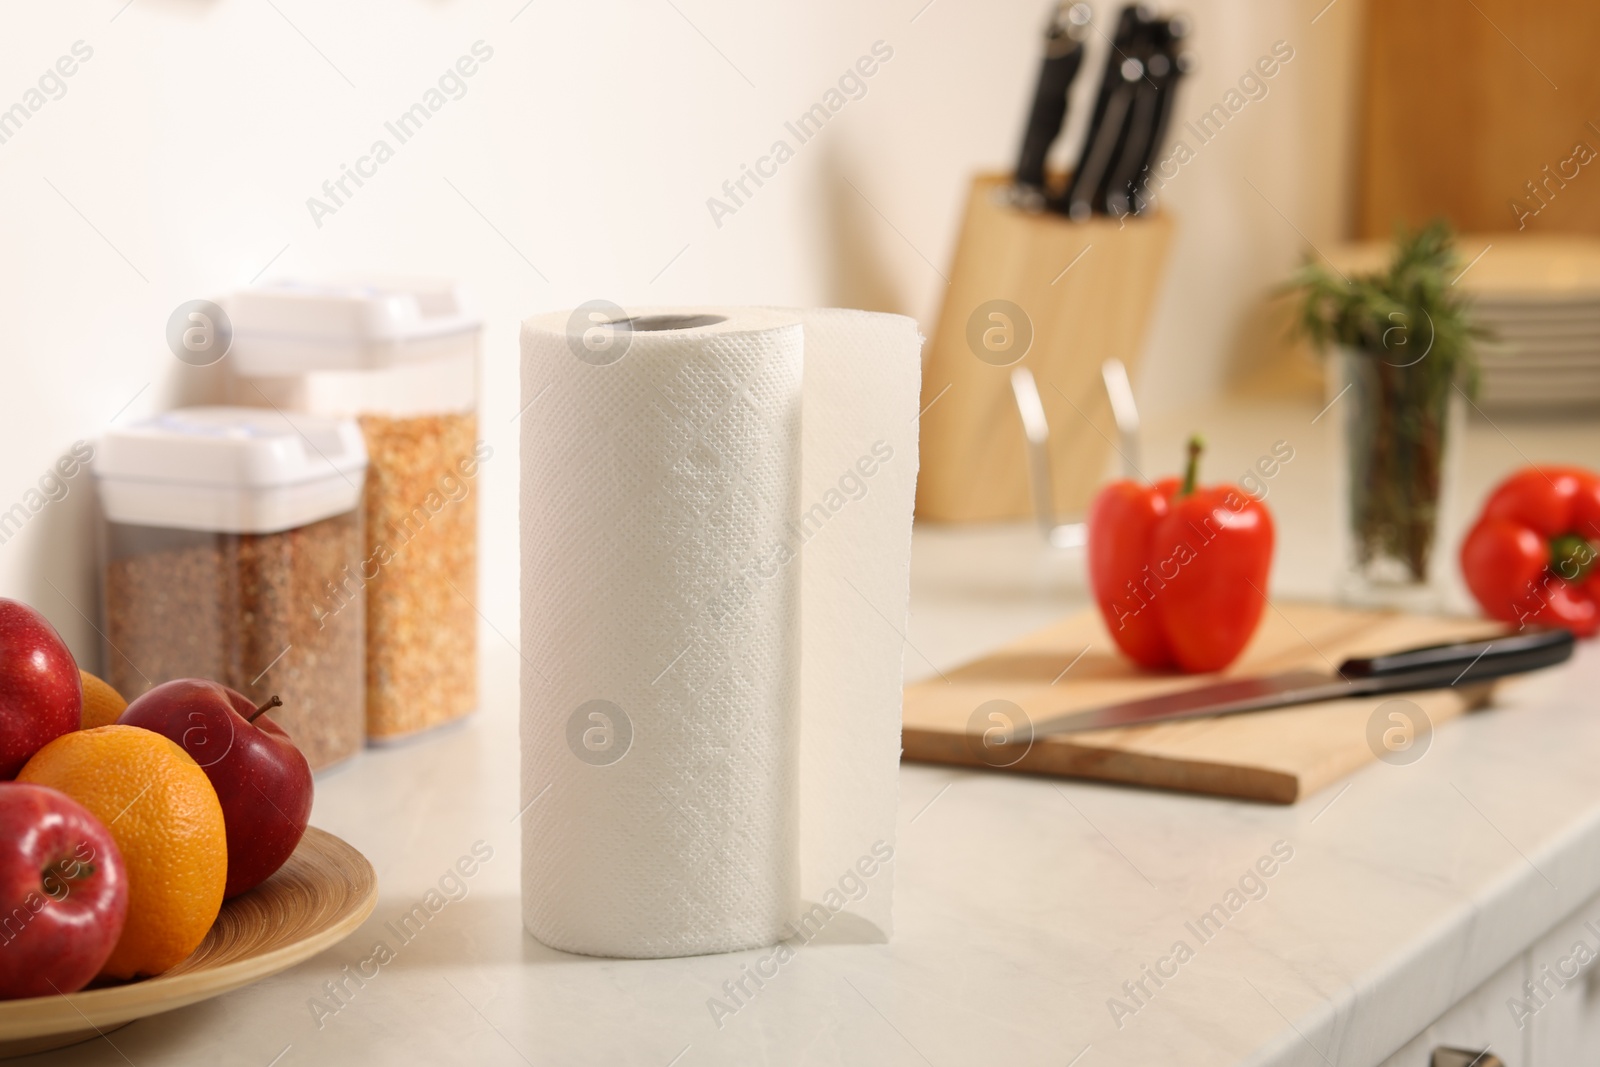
(1022, 904)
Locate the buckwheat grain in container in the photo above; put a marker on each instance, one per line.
(223, 527)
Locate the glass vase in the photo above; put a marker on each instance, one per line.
(1398, 428)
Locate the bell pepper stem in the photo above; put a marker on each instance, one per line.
(1191, 472)
(1572, 557)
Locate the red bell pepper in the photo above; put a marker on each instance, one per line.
(1179, 571)
(1531, 556)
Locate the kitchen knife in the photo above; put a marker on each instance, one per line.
(1104, 129)
(1139, 194)
(1111, 195)
(1146, 46)
(1063, 55)
(1413, 670)
(1118, 193)
(1092, 168)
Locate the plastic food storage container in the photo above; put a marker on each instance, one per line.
(402, 359)
(230, 538)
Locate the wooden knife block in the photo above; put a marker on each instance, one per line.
(974, 459)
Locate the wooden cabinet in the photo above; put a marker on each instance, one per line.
(1464, 106)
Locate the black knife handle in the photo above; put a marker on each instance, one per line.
(1138, 191)
(1148, 45)
(1112, 196)
(1131, 21)
(1078, 197)
(1049, 110)
(1100, 152)
(1462, 662)
(1129, 191)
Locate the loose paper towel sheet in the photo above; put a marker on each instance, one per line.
(716, 528)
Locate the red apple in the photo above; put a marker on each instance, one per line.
(261, 778)
(63, 892)
(41, 692)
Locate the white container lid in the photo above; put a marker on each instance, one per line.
(288, 327)
(231, 470)
(427, 387)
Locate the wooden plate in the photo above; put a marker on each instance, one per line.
(316, 900)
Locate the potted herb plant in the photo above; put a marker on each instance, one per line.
(1402, 346)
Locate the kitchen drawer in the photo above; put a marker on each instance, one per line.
(1565, 1019)
(1478, 1021)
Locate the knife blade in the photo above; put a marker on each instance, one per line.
(1409, 671)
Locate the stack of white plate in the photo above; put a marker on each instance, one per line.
(1539, 297)
(1546, 350)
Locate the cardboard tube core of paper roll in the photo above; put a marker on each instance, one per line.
(659, 323)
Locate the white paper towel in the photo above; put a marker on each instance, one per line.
(715, 555)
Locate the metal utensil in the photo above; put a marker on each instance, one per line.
(1036, 428)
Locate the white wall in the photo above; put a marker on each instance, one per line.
(180, 158)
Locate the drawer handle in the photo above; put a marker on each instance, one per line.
(1457, 1057)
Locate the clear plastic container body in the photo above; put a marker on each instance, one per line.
(252, 611)
(419, 565)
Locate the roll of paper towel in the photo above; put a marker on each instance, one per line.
(716, 533)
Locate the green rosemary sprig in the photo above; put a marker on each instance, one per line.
(1412, 333)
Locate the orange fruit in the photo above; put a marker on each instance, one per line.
(166, 820)
(102, 705)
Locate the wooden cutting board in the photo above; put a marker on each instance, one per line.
(1277, 756)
